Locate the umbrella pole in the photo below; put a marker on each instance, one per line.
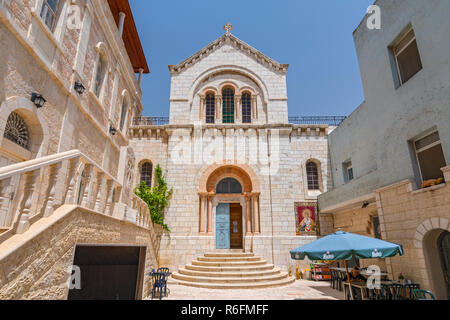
(348, 280)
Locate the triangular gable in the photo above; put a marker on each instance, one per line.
(228, 38)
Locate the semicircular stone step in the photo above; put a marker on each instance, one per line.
(229, 269)
(229, 263)
(240, 285)
(229, 254)
(225, 274)
(228, 259)
(222, 280)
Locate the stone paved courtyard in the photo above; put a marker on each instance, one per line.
(300, 289)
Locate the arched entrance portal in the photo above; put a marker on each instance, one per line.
(229, 204)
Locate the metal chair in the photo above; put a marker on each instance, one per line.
(167, 273)
(159, 283)
(423, 295)
(333, 279)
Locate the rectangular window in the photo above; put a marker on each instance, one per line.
(430, 156)
(348, 171)
(376, 227)
(49, 12)
(407, 57)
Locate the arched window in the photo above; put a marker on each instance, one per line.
(246, 108)
(210, 108)
(16, 130)
(313, 176)
(229, 186)
(146, 173)
(228, 105)
(123, 114)
(99, 75)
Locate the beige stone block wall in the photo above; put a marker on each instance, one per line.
(38, 268)
(408, 217)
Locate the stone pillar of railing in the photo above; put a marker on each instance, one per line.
(51, 190)
(72, 179)
(5, 199)
(99, 192)
(109, 197)
(27, 200)
(87, 186)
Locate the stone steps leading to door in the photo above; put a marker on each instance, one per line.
(230, 270)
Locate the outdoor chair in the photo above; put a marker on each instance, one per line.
(159, 284)
(333, 279)
(423, 295)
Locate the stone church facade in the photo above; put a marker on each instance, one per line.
(229, 149)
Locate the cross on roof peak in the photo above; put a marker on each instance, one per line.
(228, 27)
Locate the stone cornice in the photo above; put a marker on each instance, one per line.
(238, 44)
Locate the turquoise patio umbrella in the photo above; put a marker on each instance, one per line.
(344, 246)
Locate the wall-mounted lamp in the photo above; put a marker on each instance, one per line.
(79, 88)
(112, 130)
(365, 205)
(38, 100)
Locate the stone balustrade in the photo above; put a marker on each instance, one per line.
(34, 189)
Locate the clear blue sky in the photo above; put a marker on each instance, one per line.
(313, 36)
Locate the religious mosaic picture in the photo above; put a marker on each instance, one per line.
(306, 218)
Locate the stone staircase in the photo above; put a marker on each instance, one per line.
(230, 270)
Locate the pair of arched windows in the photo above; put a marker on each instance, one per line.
(312, 173)
(228, 107)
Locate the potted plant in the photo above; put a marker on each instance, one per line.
(401, 277)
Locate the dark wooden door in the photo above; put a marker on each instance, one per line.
(107, 273)
(235, 226)
(444, 250)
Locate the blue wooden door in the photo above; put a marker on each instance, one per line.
(223, 226)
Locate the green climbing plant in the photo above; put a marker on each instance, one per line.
(157, 198)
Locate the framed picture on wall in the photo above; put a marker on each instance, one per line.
(306, 218)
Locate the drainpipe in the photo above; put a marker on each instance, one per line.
(141, 72)
(121, 22)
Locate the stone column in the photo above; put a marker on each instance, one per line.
(210, 208)
(71, 192)
(237, 106)
(121, 22)
(254, 106)
(248, 217)
(203, 197)
(202, 106)
(218, 107)
(256, 213)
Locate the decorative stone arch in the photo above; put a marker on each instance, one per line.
(425, 239)
(210, 89)
(319, 171)
(216, 172)
(228, 84)
(247, 89)
(38, 128)
(229, 68)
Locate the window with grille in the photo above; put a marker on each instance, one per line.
(99, 75)
(246, 108)
(123, 114)
(228, 105)
(430, 156)
(229, 186)
(407, 57)
(210, 108)
(49, 13)
(313, 176)
(16, 130)
(146, 173)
